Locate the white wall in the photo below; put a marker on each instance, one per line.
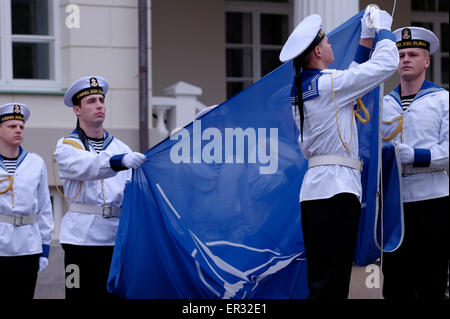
(106, 44)
(333, 12)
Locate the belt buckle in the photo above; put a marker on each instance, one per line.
(18, 220)
(106, 211)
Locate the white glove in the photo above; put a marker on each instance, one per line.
(406, 153)
(133, 160)
(366, 31)
(43, 263)
(384, 21)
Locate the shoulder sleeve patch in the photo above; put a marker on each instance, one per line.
(73, 143)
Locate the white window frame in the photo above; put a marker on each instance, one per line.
(435, 18)
(7, 83)
(256, 9)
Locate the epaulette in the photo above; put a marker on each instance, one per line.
(73, 143)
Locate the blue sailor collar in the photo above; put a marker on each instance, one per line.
(108, 138)
(20, 158)
(310, 78)
(427, 88)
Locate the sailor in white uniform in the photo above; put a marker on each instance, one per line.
(415, 119)
(93, 166)
(26, 216)
(323, 108)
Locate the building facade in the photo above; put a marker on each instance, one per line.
(201, 52)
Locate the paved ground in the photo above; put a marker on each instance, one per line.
(50, 284)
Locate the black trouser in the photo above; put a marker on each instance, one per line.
(18, 275)
(330, 228)
(419, 267)
(87, 271)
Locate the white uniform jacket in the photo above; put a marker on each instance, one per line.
(320, 133)
(100, 185)
(29, 196)
(425, 126)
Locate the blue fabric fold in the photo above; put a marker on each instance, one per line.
(198, 222)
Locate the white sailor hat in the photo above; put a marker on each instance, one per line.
(304, 38)
(83, 87)
(416, 37)
(14, 111)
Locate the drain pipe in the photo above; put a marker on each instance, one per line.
(143, 75)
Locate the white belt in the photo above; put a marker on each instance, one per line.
(321, 160)
(106, 211)
(18, 220)
(409, 169)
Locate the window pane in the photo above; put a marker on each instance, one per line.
(31, 60)
(444, 37)
(234, 88)
(269, 61)
(429, 73)
(239, 27)
(423, 5)
(29, 17)
(276, 1)
(274, 28)
(426, 25)
(444, 70)
(239, 63)
(443, 5)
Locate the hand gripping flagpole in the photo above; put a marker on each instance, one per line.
(373, 18)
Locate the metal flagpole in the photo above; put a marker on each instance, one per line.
(380, 159)
(381, 175)
(393, 9)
